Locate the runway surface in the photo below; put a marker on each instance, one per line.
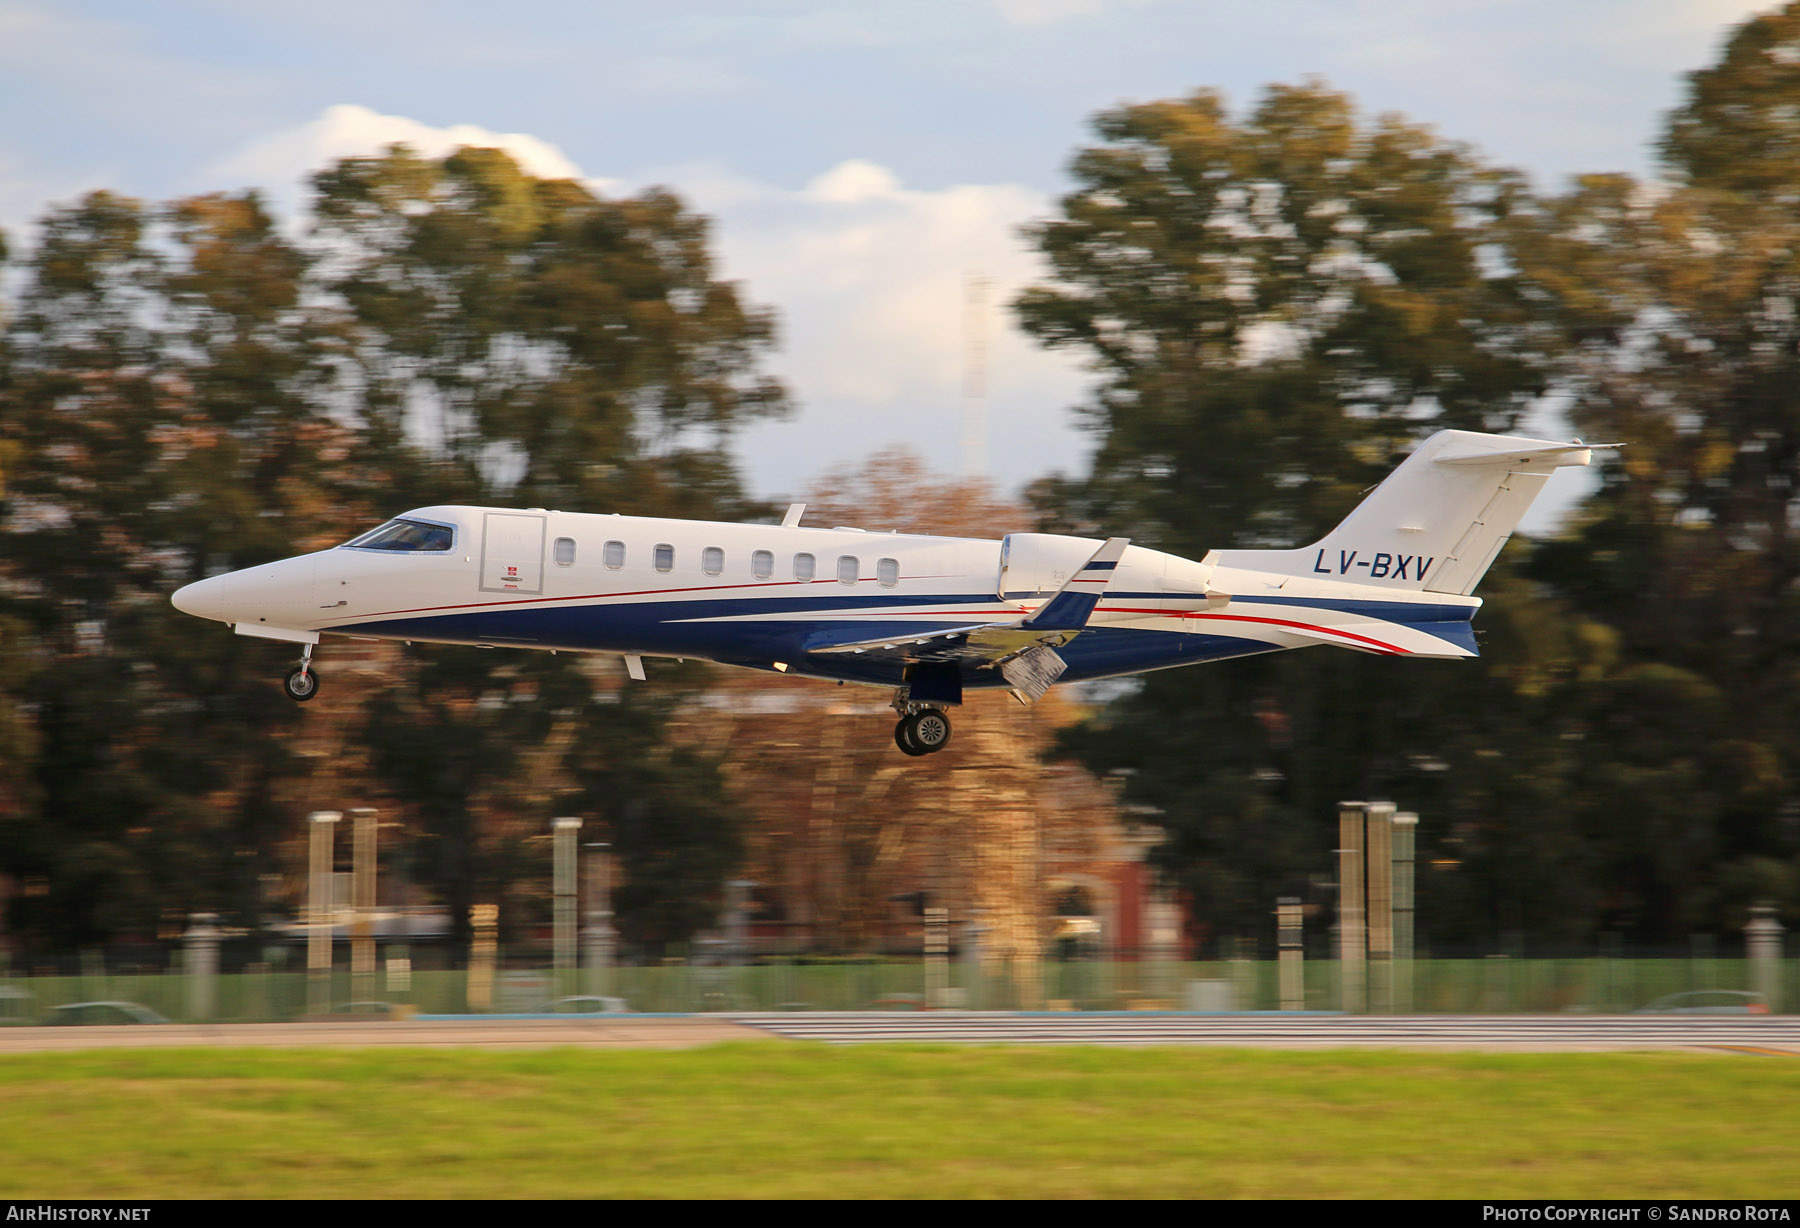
(1774, 1035)
(1546, 1033)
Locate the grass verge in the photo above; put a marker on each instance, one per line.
(802, 1121)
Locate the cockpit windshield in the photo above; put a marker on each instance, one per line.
(406, 535)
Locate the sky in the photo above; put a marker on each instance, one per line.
(864, 163)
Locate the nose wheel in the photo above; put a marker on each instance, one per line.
(302, 684)
(924, 732)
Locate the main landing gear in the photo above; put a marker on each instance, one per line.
(923, 732)
(302, 684)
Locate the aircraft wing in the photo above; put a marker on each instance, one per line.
(933, 646)
(1055, 622)
(1026, 658)
(985, 642)
(1024, 651)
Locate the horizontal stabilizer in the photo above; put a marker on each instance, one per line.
(1553, 455)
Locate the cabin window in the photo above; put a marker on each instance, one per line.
(804, 567)
(712, 560)
(613, 555)
(887, 571)
(848, 568)
(406, 535)
(762, 564)
(663, 557)
(565, 551)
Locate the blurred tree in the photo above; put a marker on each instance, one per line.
(841, 828)
(1277, 308)
(18, 738)
(443, 740)
(563, 349)
(1737, 131)
(675, 826)
(895, 489)
(152, 403)
(1683, 301)
(184, 391)
(517, 340)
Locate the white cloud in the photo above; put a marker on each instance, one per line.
(346, 130)
(871, 280)
(852, 181)
(1049, 12)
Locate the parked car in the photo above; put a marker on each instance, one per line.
(101, 1013)
(15, 1004)
(585, 1004)
(1708, 1002)
(377, 1010)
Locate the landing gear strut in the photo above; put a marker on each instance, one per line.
(302, 684)
(923, 732)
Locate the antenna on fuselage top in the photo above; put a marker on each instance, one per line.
(794, 512)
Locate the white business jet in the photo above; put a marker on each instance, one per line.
(931, 617)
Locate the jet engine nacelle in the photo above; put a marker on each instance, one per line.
(1035, 563)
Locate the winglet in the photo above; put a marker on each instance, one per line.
(1074, 603)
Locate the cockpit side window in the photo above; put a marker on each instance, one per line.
(406, 535)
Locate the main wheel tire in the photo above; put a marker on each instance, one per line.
(930, 730)
(903, 737)
(301, 685)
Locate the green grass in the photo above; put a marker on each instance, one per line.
(800, 1121)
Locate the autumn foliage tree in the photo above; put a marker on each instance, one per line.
(1277, 307)
(184, 390)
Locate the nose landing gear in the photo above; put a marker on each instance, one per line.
(302, 684)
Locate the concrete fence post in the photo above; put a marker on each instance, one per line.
(937, 958)
(565, 882)
(600, 942)
(485, 920)
(1290, 944)
(321, 915)
(1406, 826)
(1762, 942)
(201, 947)
(1379, 834)
(1352, 926)
(362, 901)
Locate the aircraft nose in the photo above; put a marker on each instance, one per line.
(279, 593)
(202, 599)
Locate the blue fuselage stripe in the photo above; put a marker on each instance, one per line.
(723, 629)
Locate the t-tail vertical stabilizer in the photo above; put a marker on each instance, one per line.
(1438, 521)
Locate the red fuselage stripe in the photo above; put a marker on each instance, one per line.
(1273, 622)
(648, 592)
